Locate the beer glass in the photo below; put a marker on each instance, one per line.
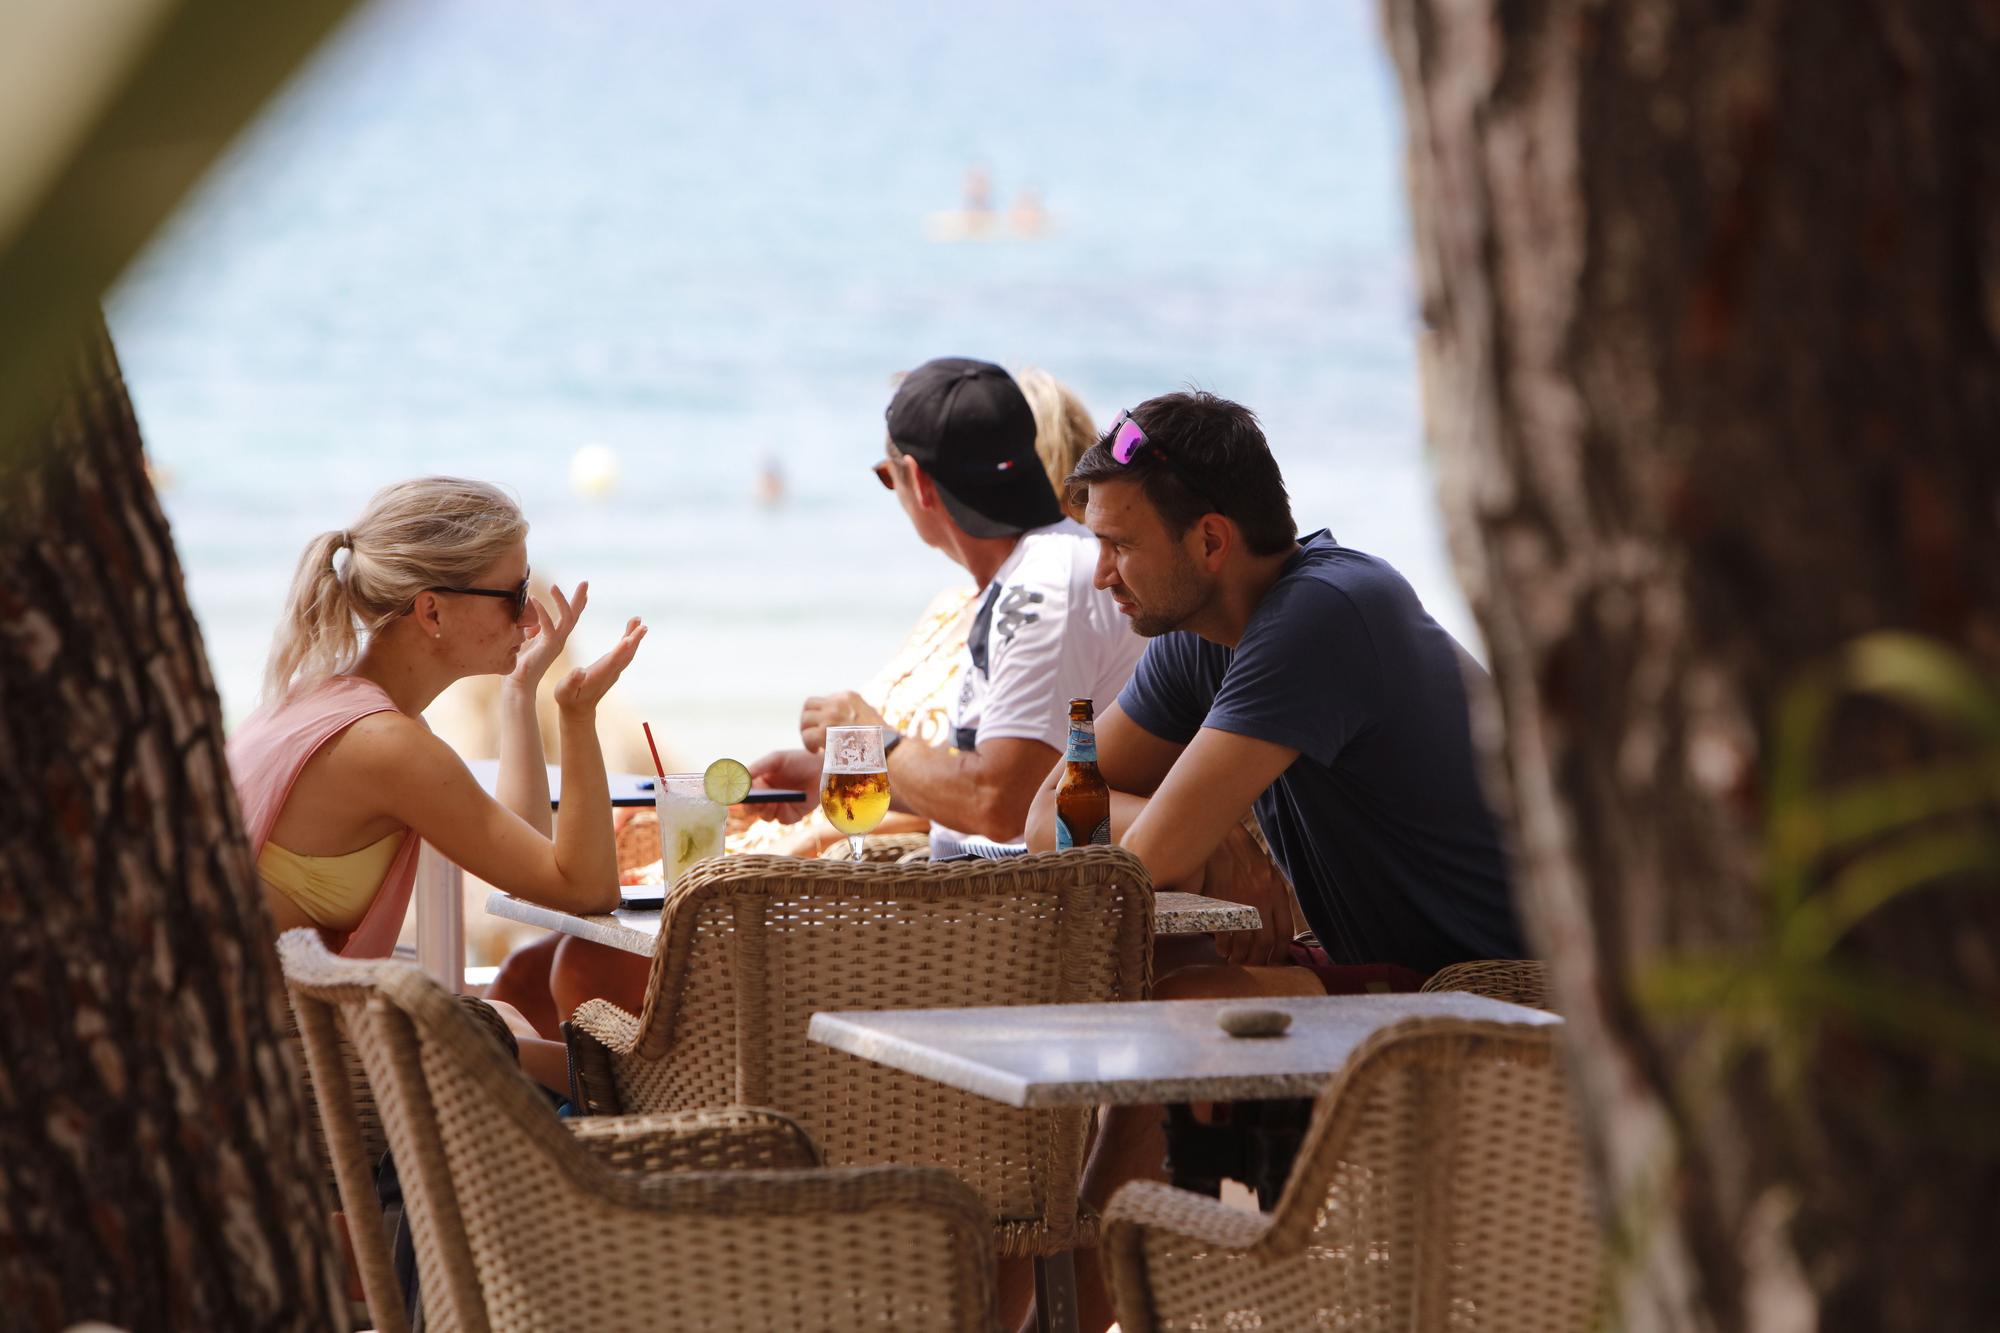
(854, 784)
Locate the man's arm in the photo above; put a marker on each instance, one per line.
(1203, 796)
(985, 791)
(1189, 830)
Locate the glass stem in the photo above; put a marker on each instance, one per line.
(854, 841)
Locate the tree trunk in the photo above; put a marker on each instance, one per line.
(1713, 372)
(156, 1166)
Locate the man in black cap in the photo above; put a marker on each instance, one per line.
(961, 460)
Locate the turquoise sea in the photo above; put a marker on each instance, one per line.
(476, 236)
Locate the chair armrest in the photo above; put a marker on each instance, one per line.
(607, 1025)
(1148, 1206)
(594, 1034)
(1177, 1228)
(728, 1139)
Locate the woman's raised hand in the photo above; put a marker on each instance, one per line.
(581, 689)
(545, 644)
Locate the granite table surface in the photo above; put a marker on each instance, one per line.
(1138, 1053)
(634, 930)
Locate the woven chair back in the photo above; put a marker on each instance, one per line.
(372, 1140)
(517, 1226)
(1515, 980)
(368, 1140)
(1441, 1185)
(752, 946)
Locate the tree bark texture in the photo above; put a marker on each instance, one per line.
(1712, 370)
(157, 1169)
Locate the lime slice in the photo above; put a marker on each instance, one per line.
(726, 781)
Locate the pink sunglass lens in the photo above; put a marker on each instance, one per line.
(1127, 440)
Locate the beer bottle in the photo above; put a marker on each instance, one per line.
(1083, 802)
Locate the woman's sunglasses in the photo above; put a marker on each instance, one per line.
(517, 597)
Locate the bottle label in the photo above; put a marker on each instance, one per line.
(1082, 743)
(1099, 836)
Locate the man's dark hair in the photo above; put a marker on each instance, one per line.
(1202, 455)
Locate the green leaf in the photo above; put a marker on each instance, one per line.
(1926, 676)
(1879, 878)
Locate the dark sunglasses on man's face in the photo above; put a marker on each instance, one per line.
(517, 597)
(885, 474)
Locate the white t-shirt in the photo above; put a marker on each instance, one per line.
(1041, 636)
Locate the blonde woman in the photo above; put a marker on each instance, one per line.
(338, 775)
(1063, 428)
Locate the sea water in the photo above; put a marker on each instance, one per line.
(479, 236)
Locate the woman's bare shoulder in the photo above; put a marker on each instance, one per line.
(388, 738)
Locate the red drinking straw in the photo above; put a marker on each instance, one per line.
(658, 767)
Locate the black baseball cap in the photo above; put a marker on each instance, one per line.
(969, 427)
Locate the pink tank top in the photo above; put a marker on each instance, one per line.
(269, 750)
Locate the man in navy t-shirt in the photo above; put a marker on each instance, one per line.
(1294, 677)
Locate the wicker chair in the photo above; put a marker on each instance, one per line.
(702, 1220)
(1441, 1185)
(1515, 980)
(751, 946)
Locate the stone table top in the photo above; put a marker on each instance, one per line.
(634, 930)
(1137, 1053)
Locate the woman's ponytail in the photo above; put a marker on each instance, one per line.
(316, 635)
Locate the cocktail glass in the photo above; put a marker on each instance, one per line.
(691, 825)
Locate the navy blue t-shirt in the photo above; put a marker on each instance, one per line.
(1379, 823)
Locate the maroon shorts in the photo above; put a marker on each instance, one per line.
(1354, 978)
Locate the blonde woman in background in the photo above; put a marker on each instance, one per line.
(1063, 429)
(339, 778)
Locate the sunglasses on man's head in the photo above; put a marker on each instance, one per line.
(1126, 438)
(517, 597)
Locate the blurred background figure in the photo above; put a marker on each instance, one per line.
(770, 482)
(1028, 219)
(978, 192)
(973, 219)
